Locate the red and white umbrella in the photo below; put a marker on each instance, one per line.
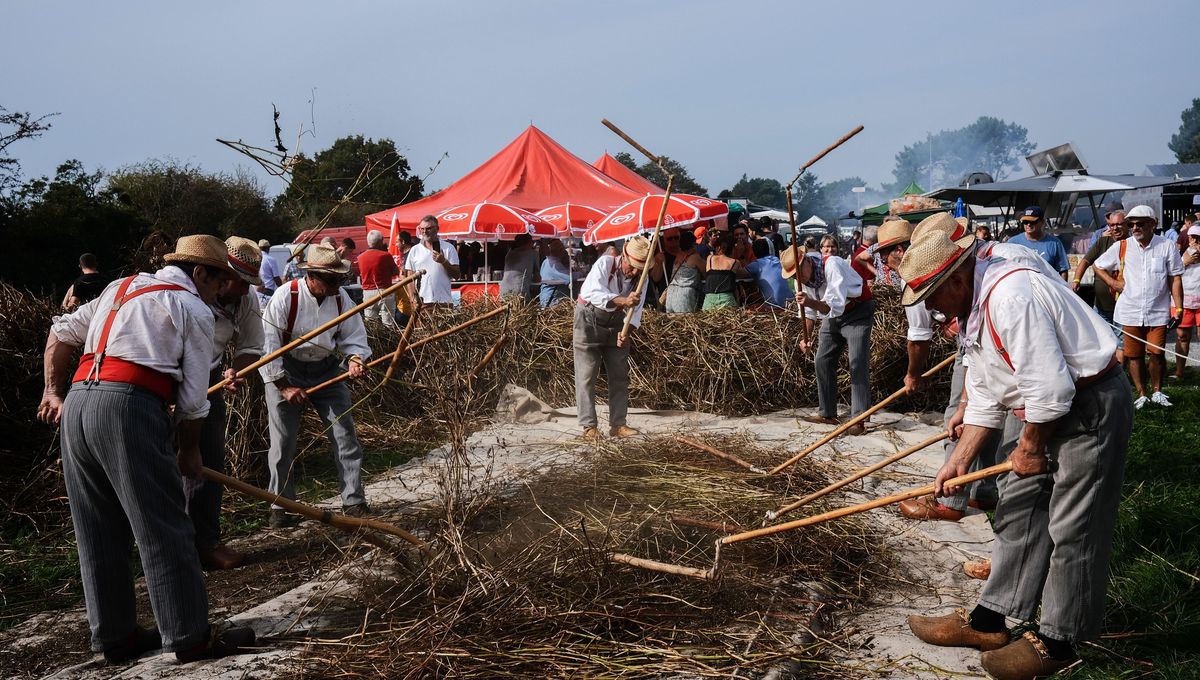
(571, 219)
(491, 222)
(640, 216)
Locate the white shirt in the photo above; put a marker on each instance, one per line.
(1191, 285)
(435, 285)
(349, 337)
(1052, 337)
(1146, 300)
(841, 284)
(920, 323)
(606, 281)
(168, 331)
(240, 323)
(268, 271)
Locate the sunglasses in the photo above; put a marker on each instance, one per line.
(1138, 223)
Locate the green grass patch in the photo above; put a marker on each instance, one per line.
(1152, 621)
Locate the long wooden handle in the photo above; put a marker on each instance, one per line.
(339, 521)
(796, 258)
(653, 565)
(845, 138)
(423, 341)
(856, 476)
(620, 133)
(315, 332)
(869, 505)
(719, 454)
(855, 420)
(402, 343)
(641, 285)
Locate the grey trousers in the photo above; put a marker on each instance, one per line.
(382, 309)
(333, 406)
(594, 339)
(851, 330)
(122, 478)
(995, 450)
(1054, 531)
(204, 501)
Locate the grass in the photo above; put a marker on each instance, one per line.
(1152, 626)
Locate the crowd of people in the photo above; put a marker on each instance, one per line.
(1034, 383)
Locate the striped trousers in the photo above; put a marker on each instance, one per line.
(119, 463)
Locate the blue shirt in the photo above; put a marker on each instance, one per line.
(1050, 248)
(769, 275)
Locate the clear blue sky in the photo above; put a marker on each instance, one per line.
(727, 88)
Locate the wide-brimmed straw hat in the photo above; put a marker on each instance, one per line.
(323, 259)
(200, 249)
(893, 232)
(940, 244)
(244, 258)
(637, 250)
(787, 260)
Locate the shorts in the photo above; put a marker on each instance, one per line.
(1155, 335)
(1191, 318)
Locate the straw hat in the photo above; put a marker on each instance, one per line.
(200, 249)
(322, 258)
(244, 258)
(940, 244)
(637, 249)
(893, 232)
(787, 260)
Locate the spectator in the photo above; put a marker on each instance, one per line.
(702, 248)
(859, 239)
(982, 233)
(346, 252)
(828, 246)
(328, 242)
(268, 271)
(810, 244)
(768, 275)
(1171, 233)
(378, 270)
(721, 272)
(1035, 238)
(438, 259)
(1105, 299)
(520, 269)
(88, 286)
(1191, 299)
(556, 275)
(1150, 295)
(1185, 239)
(1109, 209)
(742, 250)
(687, 278)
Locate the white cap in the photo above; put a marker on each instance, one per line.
(1194, 230)
(1141, 211)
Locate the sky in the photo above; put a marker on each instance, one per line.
(726, 88)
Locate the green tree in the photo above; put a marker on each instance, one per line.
(53, 221)
(758, 190)
(839, 200)
(1186, 143)
(625, 158)
(808, 199)
(684, 183)
(178, 199)
(320, 183)
(989, 144)
(14, 127)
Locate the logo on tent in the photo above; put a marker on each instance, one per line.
(621, 219)
(701, 202)
(454, 216)
(551, 218)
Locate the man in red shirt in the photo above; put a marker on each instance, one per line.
(378, 270)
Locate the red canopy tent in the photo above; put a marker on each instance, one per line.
(533, 172)
(617, 170)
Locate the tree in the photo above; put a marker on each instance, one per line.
(759, 190)
(625, 158)
(839, 200)
(14, 127)
(53, 221)
(684, 183)
(1186, 142)
(989, 144)
(178, 199)
(319, 184)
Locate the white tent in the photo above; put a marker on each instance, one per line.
(813, 221)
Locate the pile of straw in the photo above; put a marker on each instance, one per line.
(533, 593)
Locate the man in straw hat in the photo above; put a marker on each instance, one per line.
(237, 322)
(147, 343)
(831, 287)
(1036, 348)
(606, 294)
(301, 306)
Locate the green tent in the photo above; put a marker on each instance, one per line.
(876, 213)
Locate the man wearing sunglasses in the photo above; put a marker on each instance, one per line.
(1146, 273)
(295, 309)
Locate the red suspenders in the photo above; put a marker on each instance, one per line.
(987, 316)
(293, 305)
